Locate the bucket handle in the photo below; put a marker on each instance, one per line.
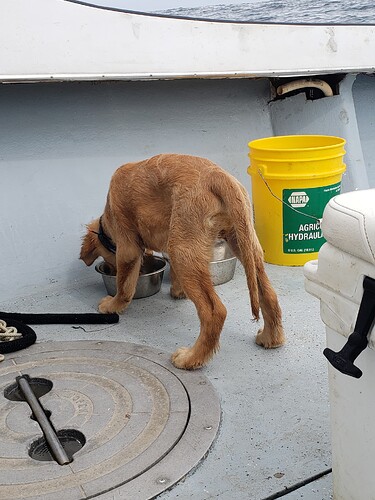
(283, 202)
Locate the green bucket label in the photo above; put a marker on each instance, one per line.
(302, 214)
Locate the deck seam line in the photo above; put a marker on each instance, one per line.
(299, 485)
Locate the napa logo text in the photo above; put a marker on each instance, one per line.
(298, 199)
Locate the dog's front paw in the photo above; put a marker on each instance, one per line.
(268, 341)
(184, 358)
(109, 305)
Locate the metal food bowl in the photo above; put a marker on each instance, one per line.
(149, 281)
(223, 263)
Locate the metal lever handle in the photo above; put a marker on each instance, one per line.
(343, 360)
(53, 441)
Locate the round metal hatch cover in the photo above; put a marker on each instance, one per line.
(146, 424)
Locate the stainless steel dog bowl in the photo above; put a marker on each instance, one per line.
(149, 281)
(223, 264)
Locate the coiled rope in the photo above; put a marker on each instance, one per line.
(7, 333)
(14, 336)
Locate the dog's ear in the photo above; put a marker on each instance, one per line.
(89, 250)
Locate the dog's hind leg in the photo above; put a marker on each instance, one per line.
(196, 283)
(272, 334)
(176, 289)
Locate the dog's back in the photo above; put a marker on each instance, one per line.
(161, 181)
(147, 194)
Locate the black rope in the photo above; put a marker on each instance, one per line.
(19, 320)
(61, 318)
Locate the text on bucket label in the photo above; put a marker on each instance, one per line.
(302, 214)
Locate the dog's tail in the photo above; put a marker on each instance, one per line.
(238, 206)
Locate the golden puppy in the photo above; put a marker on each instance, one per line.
(180, 204)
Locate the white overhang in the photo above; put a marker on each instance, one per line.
(45, 40)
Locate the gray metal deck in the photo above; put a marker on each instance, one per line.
(274, 435)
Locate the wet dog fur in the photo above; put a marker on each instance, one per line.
(181, 204)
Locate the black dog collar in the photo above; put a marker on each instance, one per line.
(104, 239)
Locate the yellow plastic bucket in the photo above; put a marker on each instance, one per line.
(293, 177)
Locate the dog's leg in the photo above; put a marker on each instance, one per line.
(128, 267)
(197, 284)
(272, 334)
(176, 288)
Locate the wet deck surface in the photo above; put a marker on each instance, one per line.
(274, 435)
